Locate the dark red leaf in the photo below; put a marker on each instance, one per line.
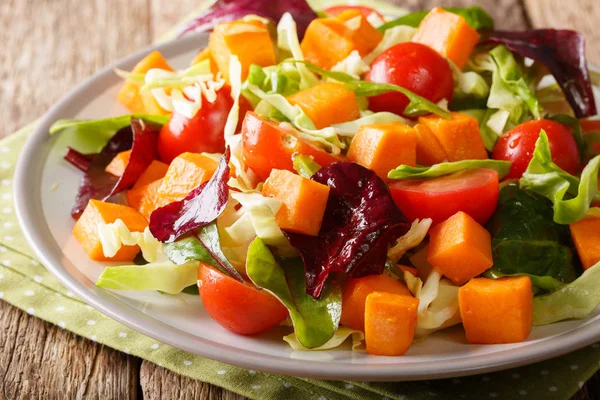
(199, 208)
(563, 53)
(230, 10)
(141, 138)
(361, 221)
(79, 160)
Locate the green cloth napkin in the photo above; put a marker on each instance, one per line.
(26, 284)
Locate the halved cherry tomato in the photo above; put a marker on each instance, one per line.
(415, 67)
(474, 192)
(588, 126)
(366, 11)
(268, 146)
(517, 145)
(203, 133)
(238, 307)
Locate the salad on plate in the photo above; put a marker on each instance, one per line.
(352, 176)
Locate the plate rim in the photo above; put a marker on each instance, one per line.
(28, 209)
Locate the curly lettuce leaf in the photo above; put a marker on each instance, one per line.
(571, 196)
(340, 336)
(315, 320)
(475, 16)
(165, 277)
(434, 171)
(575, 300)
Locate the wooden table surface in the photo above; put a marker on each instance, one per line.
(51, 45)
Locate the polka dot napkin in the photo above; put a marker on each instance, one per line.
(26, 284)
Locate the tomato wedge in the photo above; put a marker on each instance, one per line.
(267, 146)
(474, 192)
(238, 307)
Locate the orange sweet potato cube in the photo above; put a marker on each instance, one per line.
(146, 198)
(142, 191)
(384, 146)
(459, 136)
(143, 102)
(449, 34)
(496, 310)
(429, 149)
(390, 322)
(327, 103)
(205, 55)
(117, 166)
(364, 35)
(460, 248)
(155, 171)
(586, 235)
(250, 41)
(97, 213)
(303, 201)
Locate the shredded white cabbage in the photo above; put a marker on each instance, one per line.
(353, 65)
(287, 40)
(393, 36)
(337, 340)
(114, 235)
(417, 232)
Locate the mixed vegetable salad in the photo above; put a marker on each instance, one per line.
(346, 174)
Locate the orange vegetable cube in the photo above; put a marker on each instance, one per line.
(460, 248)
(355, 292)
(496, 310)
(390, 322)
(250, 41)
(205, 55)
(117, 166)
(586, 235)
(303, 201)
(186, 172)
(384, 146)
(449, 34)
(97, 213)
(155, 171)
(459, 136)
(327, 103)
(411, 270)
(146, 199)
(328, 41)
(429, 149)
(143, 102)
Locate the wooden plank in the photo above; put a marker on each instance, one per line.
(580, 15)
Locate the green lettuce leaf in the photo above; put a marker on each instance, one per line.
(571, 196)
(475, 16)
(434, 171)
(315, 321)
(575, 300)
(188, 249)
(525, 240)
(340, 336)
(164, 277)
(305, 165)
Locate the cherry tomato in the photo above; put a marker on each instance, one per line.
(415, 67)
(474, 192)
(366, 11)
(267, 146)
(202, 133)
(238, 307)
(517, 145)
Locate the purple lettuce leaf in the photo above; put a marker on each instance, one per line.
(563, 53)
(199, 208)
(79, 160)
(361, 221)
(142, 139)
(231, 10)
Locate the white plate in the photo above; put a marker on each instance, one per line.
(181, 321)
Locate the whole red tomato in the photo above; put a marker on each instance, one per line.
(203, 132)
(415, 67)
(517, 146)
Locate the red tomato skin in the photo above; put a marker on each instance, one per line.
(203, 133)
(518, 144)
(415, 67)
(238, 307)
(474, 192)
(366, 11)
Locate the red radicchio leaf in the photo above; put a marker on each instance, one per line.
(361, 221)
(230, 10)
(199, 208)
(142, 138)
(79, 160)
(563, 53)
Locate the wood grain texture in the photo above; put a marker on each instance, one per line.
(580, 15)
(51, 45)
